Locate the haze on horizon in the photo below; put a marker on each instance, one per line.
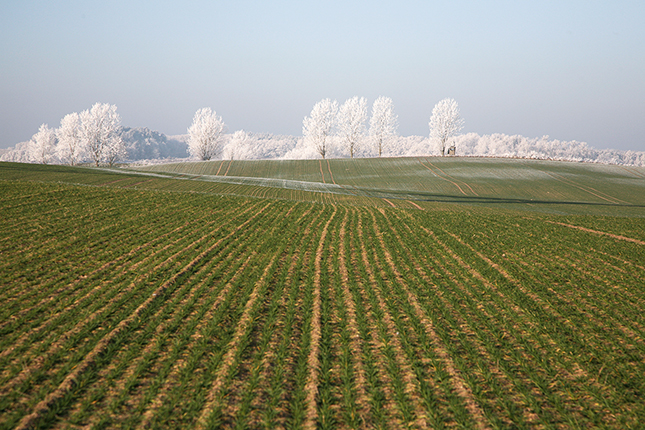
(573, 70)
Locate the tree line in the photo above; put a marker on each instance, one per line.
(328, 121)
(348, 124)
(331, 130)
(94, 134)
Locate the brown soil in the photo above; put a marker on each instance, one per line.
(615, 236)
(313, 361)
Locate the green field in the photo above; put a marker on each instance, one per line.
(543, 186)
(393, 293)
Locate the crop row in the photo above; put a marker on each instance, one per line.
(200, 311)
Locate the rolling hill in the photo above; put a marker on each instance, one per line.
(555, 187)
(391, 293)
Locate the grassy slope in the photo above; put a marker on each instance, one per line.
(538, 186)
(555, 187)
(465, 313)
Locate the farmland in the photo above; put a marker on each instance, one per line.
(542, 186)
(401, 293)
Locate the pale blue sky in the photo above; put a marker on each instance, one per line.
(573, 70)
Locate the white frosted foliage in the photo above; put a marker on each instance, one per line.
(114, 150)
(70, 148)
(42, 145)
(239, 146)
(317, 127)
(96, 134)
(445, 123)
(351, 123)
(100, 128)
(205, 135)
(383, 123)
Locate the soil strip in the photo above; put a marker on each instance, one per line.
(31, 420)
(311, 387)
(391, 204)
(229, 358)
(220, 168)
(355, 338)
(441, 177)
(414, 204)
(229, 166)
(615, 236)
(465, 183)
(459, 384)
(331, 174)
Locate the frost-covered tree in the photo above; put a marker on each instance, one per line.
(21, 153)
(238, 146)
(69, 139)
(100, 132)
(205, 134)
(445, 123)
(43, 145)
(316, 129)
(114, 150)
(383, 123)
(351, 123)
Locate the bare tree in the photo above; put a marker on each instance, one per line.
(100, 129)
(69, 138)
(205, 134)
(445, 123)
(316, 128)
(43, 145)
(351, 123)
(383, 123)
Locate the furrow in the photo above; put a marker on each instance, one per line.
(123, 259)
(354, 337)
(330, 173)
(172, 379)
(594, 191)
(286, 399)
(421, 266)
(525, 349)
(465, 183)
(313, 361)
(254, 394)
(385, 410)
(409, 394)
(68, 384)
(441, 177)
(101, 290)
(563, 405)
(460, 386)
(243, 385)
(220, 168)
(602, 233)
(228, 167)
(233, 349)
(182, 313)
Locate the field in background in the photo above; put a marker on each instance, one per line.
(560, 188)
(421, 293)
(556, 187)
